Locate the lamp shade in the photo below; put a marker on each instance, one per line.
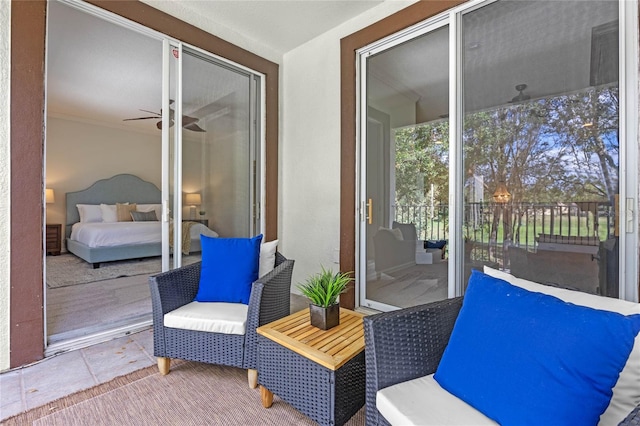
(193, 199)
(501, 195)
(49, 196)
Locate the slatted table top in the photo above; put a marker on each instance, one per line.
(331, 348)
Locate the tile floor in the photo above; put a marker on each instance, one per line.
(54, 377)
(34, 385)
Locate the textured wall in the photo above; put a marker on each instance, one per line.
(5, 65)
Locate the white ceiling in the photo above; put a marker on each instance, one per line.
(279, 25)
(100, 71)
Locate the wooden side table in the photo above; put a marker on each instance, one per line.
(54, 238)
(320, 373)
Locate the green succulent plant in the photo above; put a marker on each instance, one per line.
(323, 288)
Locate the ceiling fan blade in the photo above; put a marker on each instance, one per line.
(138, 118)
(215, 106)
(193, 127)
(159, 124)
(152, 112)
(186, 120)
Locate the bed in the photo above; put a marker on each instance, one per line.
(95, 241)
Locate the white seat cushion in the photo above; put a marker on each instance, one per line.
(213, 317)
(626, 392)
(423, 402)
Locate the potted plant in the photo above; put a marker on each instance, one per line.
(323, 289)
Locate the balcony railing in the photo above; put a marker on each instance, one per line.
(492, 226)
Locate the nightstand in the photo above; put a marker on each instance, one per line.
(54, 238)
(205, 222)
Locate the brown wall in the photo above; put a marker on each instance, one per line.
(28, 29)
(27, 154)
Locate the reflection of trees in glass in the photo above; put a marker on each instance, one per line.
(422, 160)
(559, 149)
(422, 178)
(563, 148)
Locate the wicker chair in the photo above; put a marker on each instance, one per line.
(408, 343)
(270, 300)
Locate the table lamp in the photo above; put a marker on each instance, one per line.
(193, 200)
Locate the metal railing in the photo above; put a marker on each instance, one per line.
(492, 226)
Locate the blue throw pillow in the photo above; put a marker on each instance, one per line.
(527, 358)
(439, 244)
(229, 267)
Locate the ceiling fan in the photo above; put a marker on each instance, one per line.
(520, 96)
(189, 123)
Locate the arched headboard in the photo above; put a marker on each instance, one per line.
(120, 188)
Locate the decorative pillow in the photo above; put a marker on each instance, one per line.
(149, 207)
(397, 233)
(438, 244)
(89, 213)
(626, 392)
(229, 267)
(408, 230)
(109, 212)
(144, 216)
(267, 257)
(124, 211)
(522, 357)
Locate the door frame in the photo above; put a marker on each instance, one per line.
(350, 116)
(28, 42)
(349, 45)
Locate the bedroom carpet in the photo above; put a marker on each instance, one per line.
(68, 270)
(80, 310)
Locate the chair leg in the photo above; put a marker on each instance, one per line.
(163, 365)
(253, 378)
(267, 397)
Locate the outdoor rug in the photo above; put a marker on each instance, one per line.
(191, 394)
(66, 270)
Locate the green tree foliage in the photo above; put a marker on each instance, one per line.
(557, 149)
(422, 159)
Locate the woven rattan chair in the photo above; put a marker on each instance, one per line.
(270, 300)
(408, 343)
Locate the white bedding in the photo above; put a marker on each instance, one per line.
(110, 234)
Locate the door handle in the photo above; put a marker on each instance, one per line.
(370, 211)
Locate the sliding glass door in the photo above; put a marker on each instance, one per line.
(500, 134)
(125, 100)
(541, 139)
(213, 157)
(405, 169)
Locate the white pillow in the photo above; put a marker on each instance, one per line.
(89, 212)
(626, 392)
(109, 212)
(267, 257)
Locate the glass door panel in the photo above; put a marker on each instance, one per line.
(405, 173)
(541, 142)
(218, 160)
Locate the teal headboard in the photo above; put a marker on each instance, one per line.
(117, 189)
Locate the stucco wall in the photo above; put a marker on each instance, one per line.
(5, 55)
(310, 146)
